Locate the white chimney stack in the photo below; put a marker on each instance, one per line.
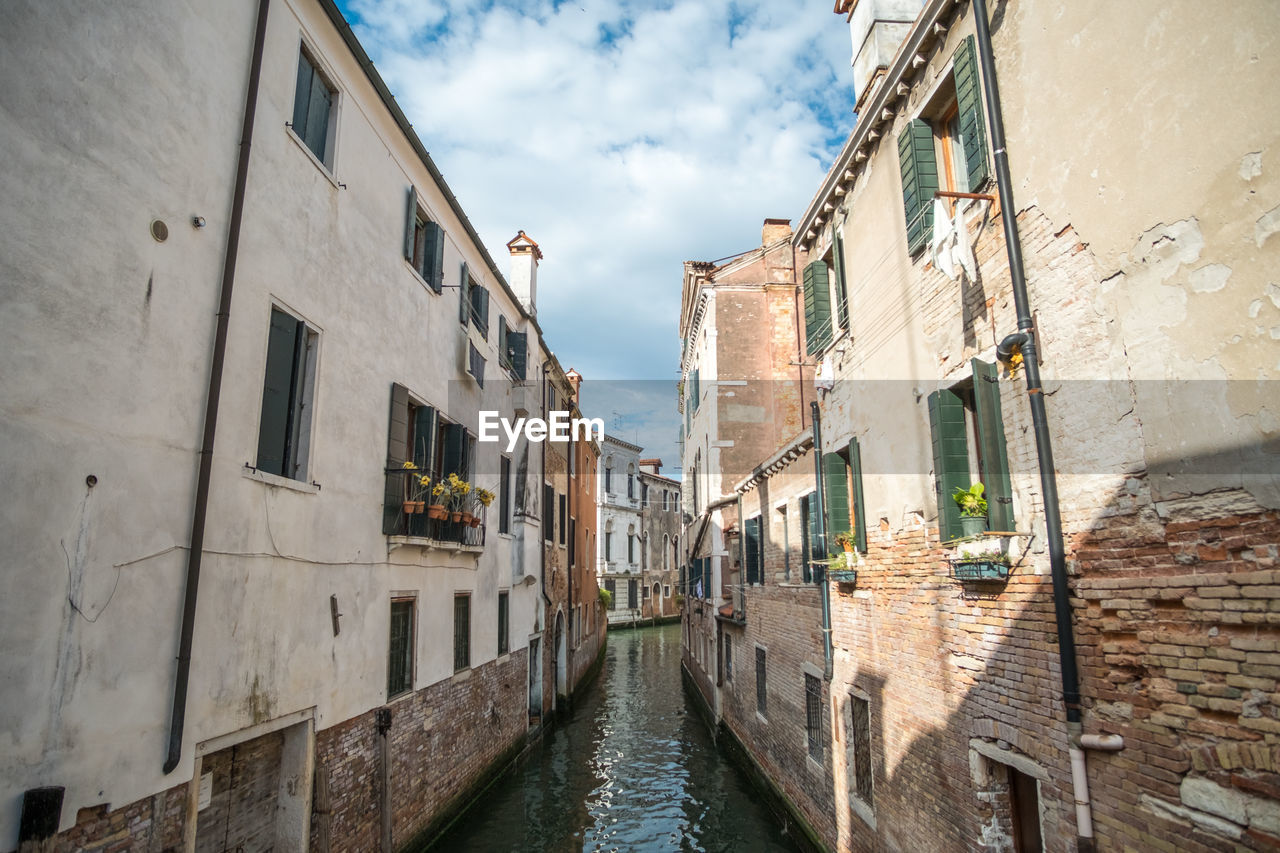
(525, 255)
(876, 27)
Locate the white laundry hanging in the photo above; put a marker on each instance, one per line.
(825, 378)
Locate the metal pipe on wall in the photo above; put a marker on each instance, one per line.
(196, 552)
(1039, 419)
(819, 567)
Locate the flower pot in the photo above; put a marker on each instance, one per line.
(455, 517)
(973, 525)
(475, 521)
(436, 511)
(411, 507)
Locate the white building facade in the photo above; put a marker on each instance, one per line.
(619, 555)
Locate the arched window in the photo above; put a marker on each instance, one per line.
(608, 475)
(666, 552)
(631, 481)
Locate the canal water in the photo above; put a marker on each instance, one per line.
(633, 769)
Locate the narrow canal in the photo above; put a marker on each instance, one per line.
(634, 769)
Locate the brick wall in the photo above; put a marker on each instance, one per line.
(150, 825)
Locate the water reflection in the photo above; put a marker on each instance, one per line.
(634, 769)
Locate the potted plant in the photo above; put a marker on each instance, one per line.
(973, 509)
(458, 491)
(480, 498)
(417, 489)
(846, 540)
(440, 498)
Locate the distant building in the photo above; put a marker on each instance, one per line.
(618, 552)
(659, 541)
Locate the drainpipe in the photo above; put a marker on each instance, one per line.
(200, 509)
(1026, 340)
(820, 568)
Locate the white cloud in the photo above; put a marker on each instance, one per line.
(626, 137)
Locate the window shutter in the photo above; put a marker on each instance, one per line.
(517, 342)
(434, 261)
(504, 352)
(696, 397)
(810, 537)
(302, 94)
(995, 458)
(859, 503)
(410, 223)
(453, 458)
(317, 137)
(950, 457)
(969, 107)
(842, 284)
(835, 476)
(464, 296)
(752, 547)
(424, 433)
(397, 453)
(484, 313)
(277, 393)
(817, 308)
(919, 181)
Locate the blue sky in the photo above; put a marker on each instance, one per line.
(625, 137)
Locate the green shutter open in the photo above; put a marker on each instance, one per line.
(973, 130)
(842, 283)
(950, 457)
(275, 423)
(817, 308)
(453, 455)
(919, 167)
(410, 223)
(991, 444)
(859, 502)
(835, 478)
(434, 261)
(464, 295)
(518, 344)
(752, 548)
(397, 453)
(424, 434)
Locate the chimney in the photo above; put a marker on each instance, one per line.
(775, 230)
(877, 27)
(525, 255)
(575, 379)
(651, 466)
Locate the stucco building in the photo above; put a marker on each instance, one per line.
(618, 548)
(947, 717)
(262, 254)
(659, 541)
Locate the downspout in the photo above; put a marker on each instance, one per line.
(818, 566)
(572, 549)
(200, 509)
(1025, 338)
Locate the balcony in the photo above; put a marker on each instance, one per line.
(408, 524)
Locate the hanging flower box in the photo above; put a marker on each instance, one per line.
(844, 575)
(979, 569)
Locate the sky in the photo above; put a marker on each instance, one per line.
(625, 137)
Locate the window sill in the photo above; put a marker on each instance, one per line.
(864, 812)
(319, 164)
(251, 473)
(417, 276)
(460, 676)
(400, 697)
(434, 544)
(813, 765)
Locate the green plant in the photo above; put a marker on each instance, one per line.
(606, 598)
(971, 502)
(846, 540)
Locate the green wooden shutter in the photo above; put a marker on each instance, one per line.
(317, 131)
(397, 452)
(973, 130)
(950, 457)
(453, 455)
(695, 394)
(919, 167)
(277, 393)
(410, 223)
(434, 272)
(484, 312)
(504, 352)
(811, 535)
(302, 94)
(752, 546)
(859, 502)
(835, 478)
(817, 307)
(518, 344)
(424, 434)
(842, 284)
(991, 445)
(464, 296)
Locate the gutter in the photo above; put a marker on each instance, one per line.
(199, 511)
(819, 567)
(1025, 339)
(389, 101)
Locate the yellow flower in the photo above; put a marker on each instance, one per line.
(409, 466)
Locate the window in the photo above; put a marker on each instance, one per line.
(666, 552)
(842, 478)
(631, 547)
(631, 594)
(504, 628)
(564, 518)
(664, 500)
(461, 631)
(968, 445)
(1024, 802)
(666, 591)
(608, 477)
(753, 550)
(475, 364)
(644, 551)
(728, 658)
(817, 307)
(573, 542)
(644, 593)
(313, 110)
(513, 351)
(608, 545)
(951, 125)
(504, 494)
(400, 648)
(631, 484)
(423, 243)
(813, 715)
(786, 542)
(644, 495)
(762, 704)
(860, 748)
(808, 536)
(548, 512)
(473, 304)
(612, 586)
(284, 427)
